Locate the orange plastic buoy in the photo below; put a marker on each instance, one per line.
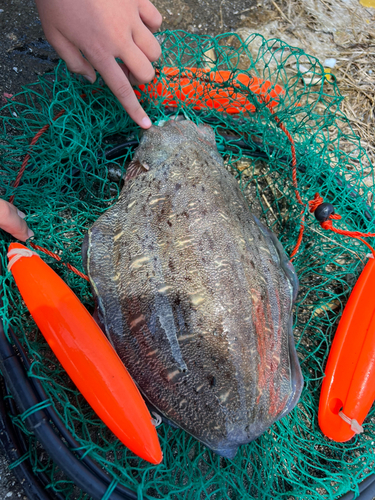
(85, 353)
(205, 88)
(348, 389)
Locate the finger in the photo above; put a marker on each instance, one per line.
(150, 15)
(75, 62)
(138, 64)
(129, 76)
(134, 59)
(146, 42)
(12, 223)
(117, 81)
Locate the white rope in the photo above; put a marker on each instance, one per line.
(157, 420)
(369, 256)
(354, 425)
(18, 253)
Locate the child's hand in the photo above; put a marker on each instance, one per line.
(103, 30)
(11, 220)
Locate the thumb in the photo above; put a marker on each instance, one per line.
(11, 221)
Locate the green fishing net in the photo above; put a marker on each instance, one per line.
(70, 181)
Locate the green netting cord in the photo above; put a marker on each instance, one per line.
(35, 408)
(19, 461)
(69, 183)
(111, 487)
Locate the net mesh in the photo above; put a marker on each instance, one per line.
(69, 182)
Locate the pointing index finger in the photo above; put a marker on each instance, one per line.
(117, 81)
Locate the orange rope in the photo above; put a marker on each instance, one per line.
(318, 200)
(294, 176)
(27, 157)
(328, 225)
(18, 180)
(34, 141)
(58, 258)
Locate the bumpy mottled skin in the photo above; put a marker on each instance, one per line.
(195, 294)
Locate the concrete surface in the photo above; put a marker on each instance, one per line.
(10, 489)
(24, 52)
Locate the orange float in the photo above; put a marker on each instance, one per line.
(205, 88)
(348, 389)
(85, 353)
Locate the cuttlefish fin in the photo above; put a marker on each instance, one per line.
(134, 169)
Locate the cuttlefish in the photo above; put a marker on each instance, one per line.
(195, 293)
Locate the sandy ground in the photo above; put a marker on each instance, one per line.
(25, 54)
